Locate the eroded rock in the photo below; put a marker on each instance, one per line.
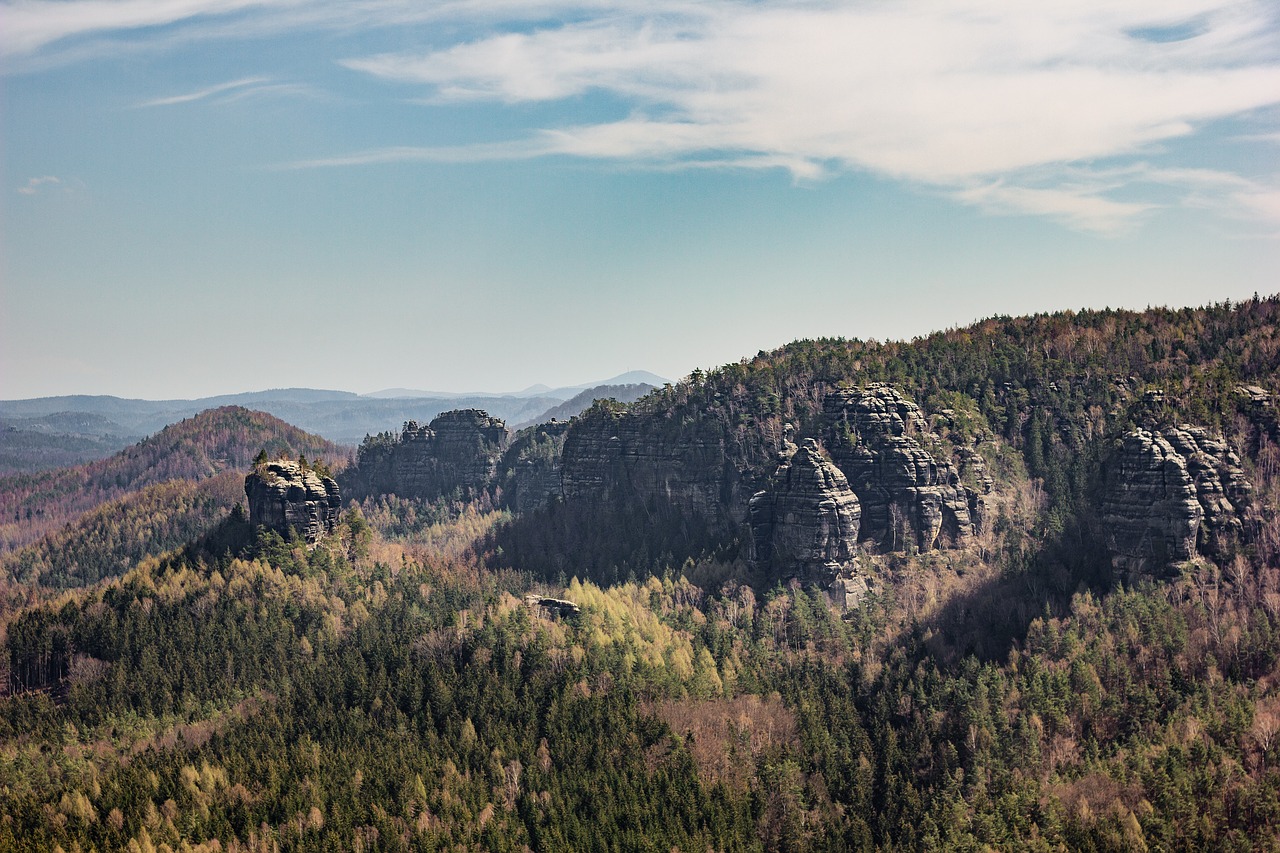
(284, 496)
(908, 496)
(457, 452)
(1173, 495)
(806, 523)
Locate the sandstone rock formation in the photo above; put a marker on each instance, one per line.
(561, 607)
(908, 497)
(283, 496)
(1172, 495)
(457, 451)
(613, 455)
(1261, 409)
(806, 523)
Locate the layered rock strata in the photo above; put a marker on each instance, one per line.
(611, 455)
(458, 450)
(285, 496)
(908, 497)
(805, 524)
(1173, 495)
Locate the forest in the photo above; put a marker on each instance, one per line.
(176, 679)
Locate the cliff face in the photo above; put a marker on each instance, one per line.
(805, 524)
(700, 467)
(283, 496)
(457, 450)
(611, 454)
(907, 496)
(1173, 495)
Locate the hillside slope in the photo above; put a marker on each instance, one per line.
(197, 448)
(580, 402)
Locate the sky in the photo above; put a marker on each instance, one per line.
(201, 197)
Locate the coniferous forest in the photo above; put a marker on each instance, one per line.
(180, 678)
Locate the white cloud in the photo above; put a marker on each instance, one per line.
(1043, 107)
(34, 185)
(1084, 208)
(201, 94)
(970, 96)
(34, 24)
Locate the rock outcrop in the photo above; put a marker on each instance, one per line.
(284, 496)
(1173, 495)
(457, 451)
(908, 497)
(1261, 409)
(612, 455)
(805, 524)
(561, 607)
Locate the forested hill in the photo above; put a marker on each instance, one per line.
(418, 675)
(1057, 389)
(197, 448)
(1068, 361)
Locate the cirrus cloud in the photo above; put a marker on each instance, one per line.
(1071, 109)
(970, 96)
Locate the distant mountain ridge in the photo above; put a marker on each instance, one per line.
(340, 416)
(581, 402)
(631, 377)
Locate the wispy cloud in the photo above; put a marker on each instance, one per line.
(33, 186)
(481, 153)
(208, 92)
(1044, 108)
(973, 95)
(35, 24)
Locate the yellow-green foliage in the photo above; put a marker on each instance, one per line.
(623, 617)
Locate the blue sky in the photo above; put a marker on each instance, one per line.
(207, 196)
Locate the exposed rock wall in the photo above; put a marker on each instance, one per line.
(613, 455)
(908, 497)
(805, 524)
(1172, 495)
(458, 450)
(283, 495)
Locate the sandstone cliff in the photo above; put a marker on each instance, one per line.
(1173, 495)
(805, 525)
(531, 467)
(908, 496)
(611, 454)
(457, 451)
(283, 495)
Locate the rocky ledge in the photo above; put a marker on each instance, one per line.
(284, 496)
